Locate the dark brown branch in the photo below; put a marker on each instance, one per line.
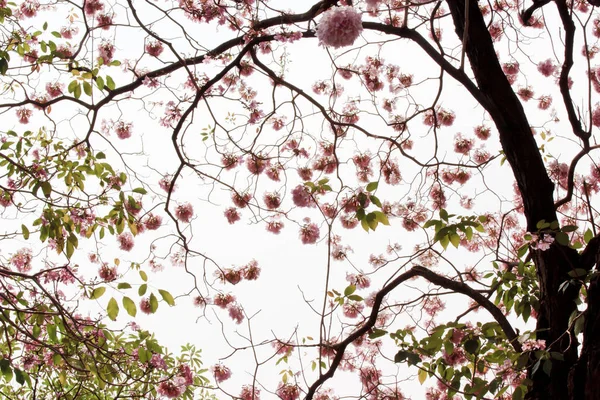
(434, 278)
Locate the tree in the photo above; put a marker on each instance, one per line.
(369, 132)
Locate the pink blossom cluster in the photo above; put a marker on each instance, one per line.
(339, 27)
(21, 260)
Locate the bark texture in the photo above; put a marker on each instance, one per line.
(574, 377)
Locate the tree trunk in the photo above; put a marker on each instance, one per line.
(536, 189)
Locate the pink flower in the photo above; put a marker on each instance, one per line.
(230, 160)
(153, 222)
(154, 48)
(236, 313)
(91, 7)
(126, 241)
(288, 391)
(547, 67)
(433, 305)
(106, 51)
(250, 393)
(165, 183)
(339, 27)
(232, 215)
(184, 212)
(353, 309)
(309, 233)
(274, 227)
(123, 129)
(21, 260)
(172, 388)
(545, 102)
(301, 196)
(256, 165)
(24, 114)
(108, 274)
(67, 32)
(221, 372)
(54, 89)
(104, 20)
(596, 117)
(233, 276)
(483, 132)
(223, 299)
(5, 198)
(251, 271)
(242, 200)
(146, 306)
(272, 200)
(462, 145)
(29, 8)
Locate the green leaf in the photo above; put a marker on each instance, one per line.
(129, 306)
(144, 276)
(87, 88)
(153, 303)
(471, 346)
(140, 190)
(142, 289)
(444, 240)
(443, 214)
(25, 232)
(588, 235)
(381, 217)
(123, 285)
(518, 394)
(97, 293)
(454, 239)
(72, 86)
(562, 238)
(77, 91)
(3, 66)
(167, 297)
(46, 188)
(19, 376)
(110, 83)
(422, 376)
(70, 249)
(51, 329)
(377, 333)
(569, 228)
(56, 34)
(349, 290)
(371, 187)
(112, 309)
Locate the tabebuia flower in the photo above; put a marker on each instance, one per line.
(153, 222)
(184, 212)
(309, 233)
(154, 48)
(288, 391)
(21, 260)
(146, 306)
(172, 388)
(125, 241)
(250, 393)
(107, 273)
(232, 215)
(236, 313)
(339, 27)
(123, 129)
(221, 372)
(301, 196)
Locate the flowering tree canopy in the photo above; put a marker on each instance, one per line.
(431, 168)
